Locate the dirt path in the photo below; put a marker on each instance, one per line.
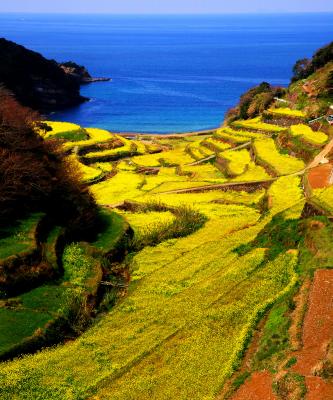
(317, 336)
(258, 387)
(321, 176)
(231, 185)
(315, 357)
(318, 389)
(321, 156)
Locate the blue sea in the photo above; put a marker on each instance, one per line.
(169, 73)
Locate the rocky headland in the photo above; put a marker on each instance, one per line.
(80, 73)
(39, 83)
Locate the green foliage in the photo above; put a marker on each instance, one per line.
(47, 298)
(278, 236)
(80, 269)
(18, 325)
(95, 137)
(305, 67)
(112, 229)
(71, 136)
(316, 247)
(254, 101)
(186, 221)
(275, 337)
(109, 300)
(292, 361)
(288, 382)
(302, 69)
(28, 317)
(62, 130)
(19, 238)
(240, 380)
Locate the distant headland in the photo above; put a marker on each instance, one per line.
(80, 73)
(39, 83)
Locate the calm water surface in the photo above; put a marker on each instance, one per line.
(170, 73)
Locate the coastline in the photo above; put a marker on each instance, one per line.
(170, 135)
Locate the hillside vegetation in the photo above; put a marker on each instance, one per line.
(202, 250)
(36, 82)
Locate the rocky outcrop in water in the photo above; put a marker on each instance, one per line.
(80, 73)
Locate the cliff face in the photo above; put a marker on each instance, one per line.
(78, 72)
(35, 81)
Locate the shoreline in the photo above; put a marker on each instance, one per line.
(167, 135)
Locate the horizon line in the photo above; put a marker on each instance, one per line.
(167, 13)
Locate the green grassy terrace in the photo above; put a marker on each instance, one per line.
(200, 237)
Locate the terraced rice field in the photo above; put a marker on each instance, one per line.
(65, 131)
(285, 111)
(20, 238)
(89, 174)
(257, 124)
(237, 161)
(281, 164)
(181, 327)
(306, 134)
(324, 197)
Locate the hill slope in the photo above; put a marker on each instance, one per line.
(36, 82)
(229, 248)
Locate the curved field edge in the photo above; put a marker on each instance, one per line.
(124, 339)
(193, 302)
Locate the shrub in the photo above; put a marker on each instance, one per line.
(254, 102)
(33, 176)
(305, 67)
(302, 69)
(186, 221)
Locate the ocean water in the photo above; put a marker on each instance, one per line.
(169, 73)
